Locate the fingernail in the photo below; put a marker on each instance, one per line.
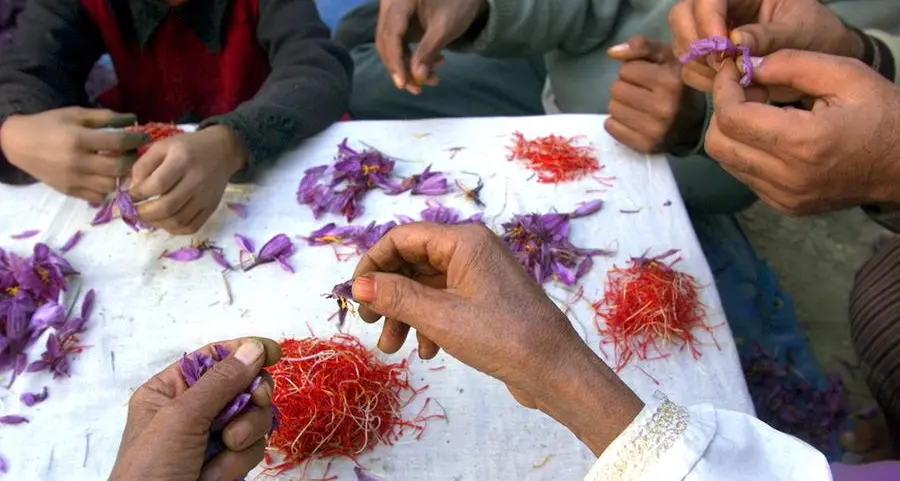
(619, 49)
(122, 120)
(364, 290)
(421, 74)
(398, 82)
(249, 352)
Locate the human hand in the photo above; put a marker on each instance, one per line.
(462, 290)
(844, 152)
(649, 99)
(168, 424)
(764, 26)
(434, 24)
(64, 148)
(189, 173)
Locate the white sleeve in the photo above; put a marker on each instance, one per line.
(672, 443)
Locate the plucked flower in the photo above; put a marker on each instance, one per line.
(725, 48)
(343, 294)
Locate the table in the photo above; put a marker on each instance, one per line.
(149, 310)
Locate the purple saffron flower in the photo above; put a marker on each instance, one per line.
(430, 183)
(122, 202)
(342, 293)
(13, 419)
(53, 359)
(47, 315)
(26, 234)
(72, 242)
(725, 48)
(541, 244)
(239, 209)
(31, 398)
(439, 214)
(195, 366)
(278, 249)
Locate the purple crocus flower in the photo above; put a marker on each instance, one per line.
(278, 250)
(439, 214)
(122, 202)
(429, 183)
(541, 244)
(53, 359)
(342, 293)
(725, 48)
(46, 316)
(195, 366)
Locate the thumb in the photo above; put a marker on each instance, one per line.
(428, 52)
(401, 298)
(763, 39)
(811, 73)
(642, 48)
(103, 118)
(228, 378)
(142, 169)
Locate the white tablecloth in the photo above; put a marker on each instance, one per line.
(149, 311)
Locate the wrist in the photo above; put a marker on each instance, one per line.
(590, 400)
(236, 155)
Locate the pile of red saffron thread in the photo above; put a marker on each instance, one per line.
(335, 398)
(554, 158)
(648, 305)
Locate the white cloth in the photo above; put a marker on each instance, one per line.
(667, 442)
(149, 311)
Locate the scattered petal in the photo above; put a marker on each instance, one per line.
(220, 259)
(13, 419)
(278, 246)
(31, 398)
(72, 242)
(184, 254)
(245, 244)
(361, 476)
(26, 234)
(239, 209)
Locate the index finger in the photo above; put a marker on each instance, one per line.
(172, 373)
(711, 17)
(428, 247)
(393, 23)
(95, 140)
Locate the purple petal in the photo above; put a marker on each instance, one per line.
(361, 476)
(230, 411)
(26, 234)
(13, 419)
(245, 244)
(31, 398)
(72, 242)
(283, 263)
(587, 208)
(239, 209)
(4, 468)
(47, 315)
(87, 305)
(278, 246)
(184, 254)
(38, 366)
(221, 352)
(220, 259)
(105, 214)
(127, 210)
(405, 219)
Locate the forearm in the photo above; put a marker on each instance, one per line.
(307, 90)
(516, 28)
(590, 400)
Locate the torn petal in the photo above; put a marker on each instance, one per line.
(245, 244)
(184, 254)
(239, 209)
(72, 242)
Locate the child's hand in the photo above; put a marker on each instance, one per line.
(650, 109)
(61, 149)
(189, 173)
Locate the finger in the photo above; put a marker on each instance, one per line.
(393, 22)
(247, 429)
(199, 219)
(403, 300)
(427, 348)
(812, 73)
(763, 39)
(637, 121)
(741, 158)
(711, 18)
(110, 140)
(698, 77)
(88, 195)
(104, 165)
(628, 136)
(642, 48)
(99, 184)
(393, 335)
(422, 244)
(631, 97)
(641, 73)
(683, 27)
(233, 464)
(428, 51)
(225, 380)
(755, 124)
(165, 207)
(142, 169)
(102, 118)
(262, 395)
(272, 356)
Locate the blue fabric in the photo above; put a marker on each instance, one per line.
(332, 10)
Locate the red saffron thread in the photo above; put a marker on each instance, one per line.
(336, 398)
(554, 158)
(648, 306)
(156, 131)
